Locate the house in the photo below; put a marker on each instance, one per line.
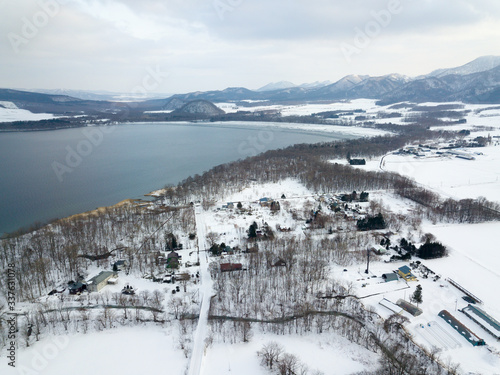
(76, 288)
(405, 273)
(173, 259)
(120, 265)
(98, 282)
(264, 202)
(228, 267)
(228, 249)
(278, 262)
(390, 277)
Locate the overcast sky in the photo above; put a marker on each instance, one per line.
(175, 46)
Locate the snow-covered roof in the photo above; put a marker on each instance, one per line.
(391, 306)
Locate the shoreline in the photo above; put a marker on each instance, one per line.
(151, 194)
(311, 128)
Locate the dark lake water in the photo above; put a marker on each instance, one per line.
(53, 174)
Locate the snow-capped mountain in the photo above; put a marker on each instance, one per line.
(481, 64)
(277, 86)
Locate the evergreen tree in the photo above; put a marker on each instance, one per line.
(430, 250)
(417, 295)
(252, 230)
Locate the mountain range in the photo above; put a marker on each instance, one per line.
(475, 82)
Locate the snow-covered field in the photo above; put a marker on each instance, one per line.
(121, 351)
(452, 176)
(357, 131)
(10, 112)
(479, 115)
(304, 109)
(329, 353)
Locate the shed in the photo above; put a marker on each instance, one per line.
(390, 277)
(409, 307)
(391, 306)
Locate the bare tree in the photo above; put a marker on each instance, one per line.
(271, 354)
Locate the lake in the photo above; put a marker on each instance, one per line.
(54, 174)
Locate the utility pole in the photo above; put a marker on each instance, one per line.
(367, 261)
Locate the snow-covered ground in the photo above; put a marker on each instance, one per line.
(199, 348)
(357, 131)
(121, 351)
(10, 112)
(452, 176)
(472, 262)
(329, 353)
(305, 109)
(478, 115)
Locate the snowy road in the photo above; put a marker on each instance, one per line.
(198, 352)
